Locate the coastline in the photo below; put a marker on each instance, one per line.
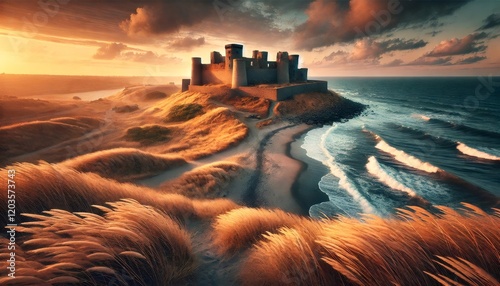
(288, 179)
(305, 188)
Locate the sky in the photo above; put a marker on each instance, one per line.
(333, 37)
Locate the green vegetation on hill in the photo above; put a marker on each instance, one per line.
(148, 135)
(184, 112)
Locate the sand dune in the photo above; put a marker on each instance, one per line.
(24, 138)
(208, 181)
(145, 93)
(124, 164)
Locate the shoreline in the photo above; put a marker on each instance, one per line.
(305, 188)
(287, 179)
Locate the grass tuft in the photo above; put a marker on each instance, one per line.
(148, 135)
(184, 112)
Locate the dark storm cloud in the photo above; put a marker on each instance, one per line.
(186, 44)
(467, 45)
(331, 21)
(163, 17)
(490, 22)
(142, 21)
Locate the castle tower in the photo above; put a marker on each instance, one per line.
(283, 63)
(293, 67)
(196, 72)
(215, 58)
(239, 73)
(233, 51)
(262, 59)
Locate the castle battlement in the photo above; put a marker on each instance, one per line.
(239, 72)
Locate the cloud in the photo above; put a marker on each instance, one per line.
(490, 22)
(426, 61)
(163, 17)
(434, 33)
(370, 51)
(110, 51)
(148, 57)
(186, 44)
(332, 21)
(470, 60)
(467, 45)
(394, 63)
(120, 51)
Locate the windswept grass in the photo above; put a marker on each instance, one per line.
(208, 181)
(208, 209)
(318, 108)
(148, 135)
(154, 95)
(126, 108)
(402, 251)
(288, 256)
(184, 112)
(251, 104)
(210, 133)
(131, 242)
(123, 164)
(47, 186)
(242, 227)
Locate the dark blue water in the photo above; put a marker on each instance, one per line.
(422, 141)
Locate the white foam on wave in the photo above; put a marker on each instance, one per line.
(420, 116)
(341, 175)
(469, 151)
(382, 176)
(405, 158)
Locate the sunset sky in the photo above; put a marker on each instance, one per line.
(333, 37)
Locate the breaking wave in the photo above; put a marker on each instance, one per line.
(341, 175)
(405, 158)
(469, 151)
(376, 170)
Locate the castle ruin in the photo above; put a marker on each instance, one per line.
(255, 76)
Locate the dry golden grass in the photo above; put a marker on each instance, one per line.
(402, 251)
(251, 104)
(129, 243)
(47, 186)
(288, 257)
(242, 227)
(22, 138)
(314, 108)
(207, 182)
(210, 133)
(124, 164)
(208, 209)
(467, 272)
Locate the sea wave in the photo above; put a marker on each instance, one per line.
(344, 181)
(469, 151)
(405, 158)
(465, 128)
(382, 176)
(421, 116)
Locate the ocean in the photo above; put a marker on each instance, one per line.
(421, 141)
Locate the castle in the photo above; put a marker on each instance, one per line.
(255, 76)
